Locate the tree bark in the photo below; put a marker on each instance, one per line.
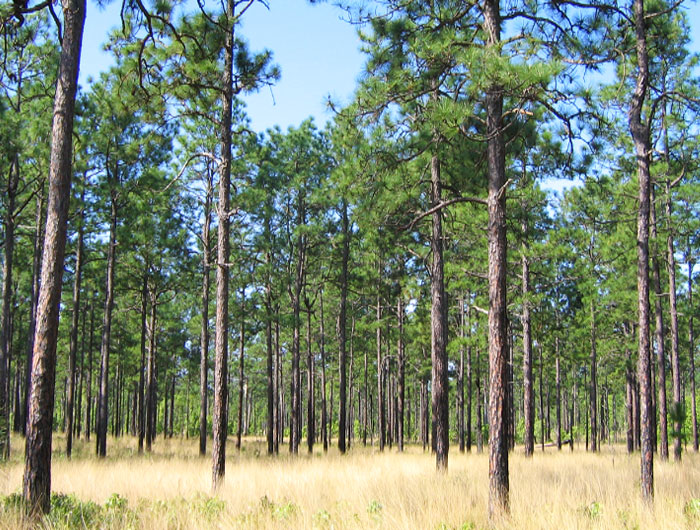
(151, 376)
(324, 404)
(220, 414)
(142, 365)
(241, 373)
(593, 393)
(640, 135)
(460, 378)
(438, 324)
(401, 375)
(497, 318)
(381, 420)
(37, 472)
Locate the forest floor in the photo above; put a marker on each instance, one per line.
(171, 488)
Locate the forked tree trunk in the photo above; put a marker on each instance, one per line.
(37, 471)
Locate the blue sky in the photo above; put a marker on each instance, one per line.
(317, 51)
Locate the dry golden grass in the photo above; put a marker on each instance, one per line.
(170, 488)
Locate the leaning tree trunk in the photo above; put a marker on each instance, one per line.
(37, 471)
(660, 335)
(220, 414)
(675, 360)
(438, 325)
(106, 332)
(75, 320)
(498, 327)
(342, 325)
(640, 135)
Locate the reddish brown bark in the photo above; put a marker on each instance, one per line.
(37, 471)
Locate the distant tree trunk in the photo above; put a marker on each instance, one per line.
(241, 373)
(75, 321)
(469, 384)
(479, 410)
(401, 375)
(691, 343)
(102, 415)
(220, 414)
(91, 347)
(659, 336)
(593, 392)
(630, 403)
(498, 327)
(541, 396)
(558, 383)
(151, 377)
(279, 418)
(5, 328)
(324, 404)
(37, 472)
(438, 325)
(310, 387)
(342, 360)
(142, 369)
(675, 359)
(204, 333)
(640, 135)
(460, 379)
(365, 390)
(528, 387)
(380, 391)
(34, 300)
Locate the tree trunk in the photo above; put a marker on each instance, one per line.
(37, 472)
(5, 329)
(401, 375)
(151, 377)
(558, 383)
(659, 336)
(75, 321)
(528, 387)
(691, 352)
(204, 333)
(380, 391)
(241, 373)
(593, 392)
(324, 404)
(438, 324)
(142, 366)
(675, 360)
(88, 393)
(342, 410)
(220, 415)
(102, 414)
(498, 328)
(460, 379)
(640, 135)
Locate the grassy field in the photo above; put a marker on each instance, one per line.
(170, 488)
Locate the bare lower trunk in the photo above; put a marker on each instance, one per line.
(204, 332)
(380, 391)
(37, 472)
(528, 387)
(342, 322)
(593, 394)
(401, 375)
(691, 351)
(241, 374)
(324, 404)
(438, 323)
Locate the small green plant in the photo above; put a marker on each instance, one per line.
(692, 509)
(374, 509)
(593, 510)
(322, 519)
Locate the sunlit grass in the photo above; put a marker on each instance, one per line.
(171, 488)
